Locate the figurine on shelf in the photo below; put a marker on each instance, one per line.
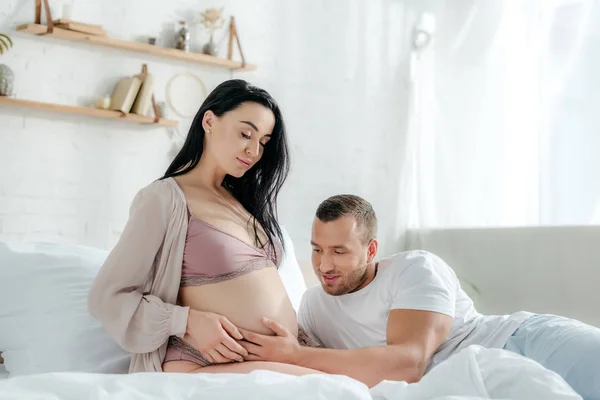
(183, 37)
(213, 20)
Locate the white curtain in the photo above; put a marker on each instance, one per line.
(504, 115)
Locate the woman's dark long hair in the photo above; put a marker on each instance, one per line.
(258, 188)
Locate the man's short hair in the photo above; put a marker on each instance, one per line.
(343, 205)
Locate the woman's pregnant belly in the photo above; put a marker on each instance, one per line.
(244, 300)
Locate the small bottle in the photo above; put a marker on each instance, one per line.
(103, 103)
(162, 109)
(183, 37)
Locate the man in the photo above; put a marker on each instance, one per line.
(397, 318)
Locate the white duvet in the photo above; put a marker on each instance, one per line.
(474, 373)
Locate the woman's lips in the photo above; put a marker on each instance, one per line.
(245, 163)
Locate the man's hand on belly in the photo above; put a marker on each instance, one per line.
(283, 347)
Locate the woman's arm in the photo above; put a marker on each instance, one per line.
(138, 322)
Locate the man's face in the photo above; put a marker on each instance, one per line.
(339, 255)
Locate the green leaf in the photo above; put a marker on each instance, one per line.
(2, 35)
(5, 43)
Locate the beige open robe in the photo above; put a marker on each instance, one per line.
(135, 291)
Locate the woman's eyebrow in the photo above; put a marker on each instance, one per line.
(251, 124)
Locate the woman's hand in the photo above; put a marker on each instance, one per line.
(214, 336)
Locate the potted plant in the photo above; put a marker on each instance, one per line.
(212, 19)
(7, 77)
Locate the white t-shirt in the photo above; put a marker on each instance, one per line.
(414, 280)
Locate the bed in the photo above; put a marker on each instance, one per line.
(53, 349)
(474, 373)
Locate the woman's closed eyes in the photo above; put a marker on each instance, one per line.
(248, 137)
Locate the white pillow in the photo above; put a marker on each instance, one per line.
(44, 322)
(290, 271)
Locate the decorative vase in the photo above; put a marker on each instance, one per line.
(183, 37)
(7, 80)
(210, 48)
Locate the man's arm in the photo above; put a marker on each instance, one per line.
(412, 338)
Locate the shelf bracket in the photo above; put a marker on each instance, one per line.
(233, 33)
(154, 105)
(38, 15)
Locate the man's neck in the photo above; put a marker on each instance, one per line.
(370, 275)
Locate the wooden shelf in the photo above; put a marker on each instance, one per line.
(86, 111)
(36, 29)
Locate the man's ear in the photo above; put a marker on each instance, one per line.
(372, 250)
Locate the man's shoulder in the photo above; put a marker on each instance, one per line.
(411, 260)
(405, 259)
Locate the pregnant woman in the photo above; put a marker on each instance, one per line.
(199, 254)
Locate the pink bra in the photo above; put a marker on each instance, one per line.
(212, 255)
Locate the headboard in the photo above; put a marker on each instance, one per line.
(540, 269)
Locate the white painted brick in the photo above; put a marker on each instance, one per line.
(10, 122)
(72, 179)
(28, 188)
(59, 226)
(64, 174)
(15, 224)
(70, 227)
(7, 237)
(37, 206)
(65, 207)
(50, 237)
(69, 191)
(11, 205)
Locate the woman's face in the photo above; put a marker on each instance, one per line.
(236, 140)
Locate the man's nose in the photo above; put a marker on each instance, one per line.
(326, 264)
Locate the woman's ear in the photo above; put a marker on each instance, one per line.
(208, 121)
(372, 250)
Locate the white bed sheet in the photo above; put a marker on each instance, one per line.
(474, 373)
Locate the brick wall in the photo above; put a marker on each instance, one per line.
(337, 68)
